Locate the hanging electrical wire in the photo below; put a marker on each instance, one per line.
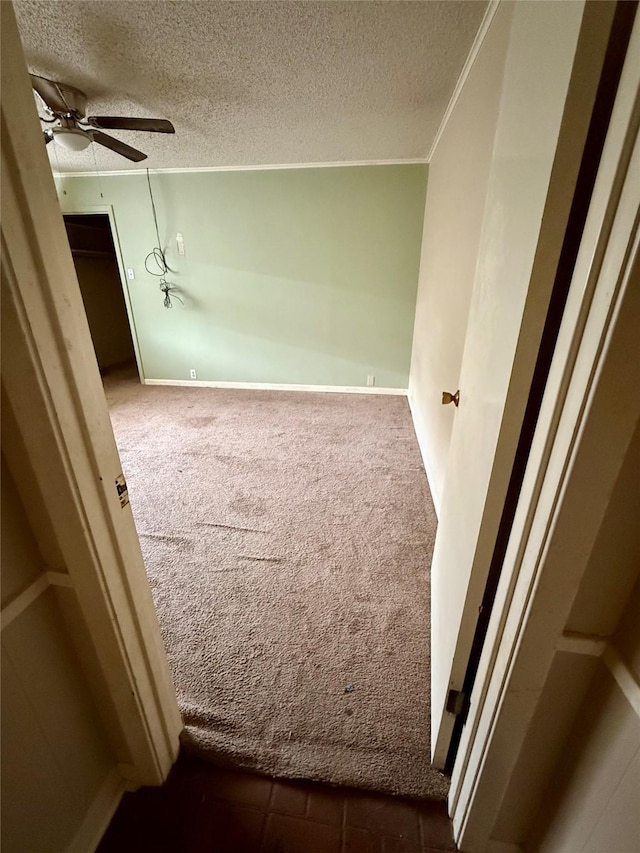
(157, 256)
(95, 165)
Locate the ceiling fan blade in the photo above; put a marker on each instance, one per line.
(117, 146)
(51, 93)
(60, 97)
(155, 125)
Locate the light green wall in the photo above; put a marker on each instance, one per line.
(302, 276)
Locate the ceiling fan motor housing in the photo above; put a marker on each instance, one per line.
(68, 105)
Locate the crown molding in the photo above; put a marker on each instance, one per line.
(492, 8)
(266, 167)
(471, 58)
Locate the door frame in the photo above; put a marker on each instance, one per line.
(461, 564)
(55, 392)
(61, 434)
(557, 517)
(622, 22)
(87, 210)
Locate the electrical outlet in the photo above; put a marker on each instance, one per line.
(371, 380)
(131, 274)
(193, 374)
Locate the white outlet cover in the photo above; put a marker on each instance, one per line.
(130, 273)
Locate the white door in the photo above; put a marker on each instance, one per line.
(542, 123)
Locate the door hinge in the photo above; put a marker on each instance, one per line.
(458, 704)
(121, 488)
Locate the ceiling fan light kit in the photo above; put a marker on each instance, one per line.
(74, 130)
(73, 139)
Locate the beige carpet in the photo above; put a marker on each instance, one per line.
(287, 537)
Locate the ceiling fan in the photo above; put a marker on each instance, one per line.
(75, 131)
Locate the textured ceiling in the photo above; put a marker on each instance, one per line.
(248, 83)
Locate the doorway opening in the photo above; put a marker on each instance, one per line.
(97, 267)
(294, 610)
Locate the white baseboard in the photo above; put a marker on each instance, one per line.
(35, 589)
(625, 678)
(268, 386)
(581, 644)
(99, 814)
(420, 431)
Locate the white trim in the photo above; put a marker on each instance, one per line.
(581, 644)
(519, 594)
(270, 386)
(589, 644)
(23, 600)
(492, 8)
(625, 679)
(422, 161)
(35, 589)
(421, 437)
(60, 429)
(99, 814)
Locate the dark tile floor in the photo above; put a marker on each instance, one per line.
(204, 809)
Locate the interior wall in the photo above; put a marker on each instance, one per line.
(591, 802)
(295, 276)
(576, 780)
(458, 179)
(56, 758)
